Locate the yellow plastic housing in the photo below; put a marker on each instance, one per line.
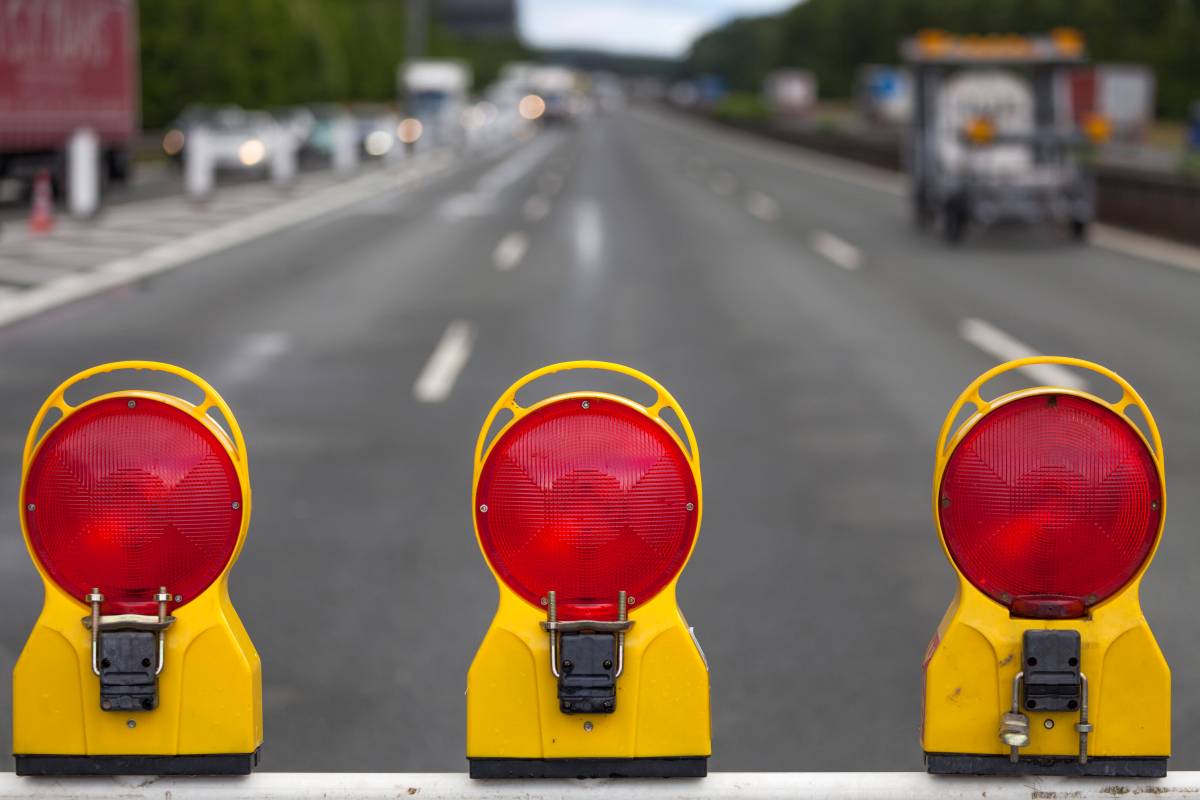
(662, 707)
(976, 652)
(210, 689)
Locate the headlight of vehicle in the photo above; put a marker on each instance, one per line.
(378, 143)
(173, 142)
(531, 107)
(410, 130)
(251, 152)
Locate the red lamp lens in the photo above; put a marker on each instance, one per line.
(1050, 504)
(586, 502)
(129, 499)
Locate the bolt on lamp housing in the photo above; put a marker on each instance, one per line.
(1049, 504)
(134, 506)
(587, 506)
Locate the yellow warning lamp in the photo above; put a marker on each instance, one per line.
(980, 130)
(1049, 503)
(587, 506)
(134, 506)
(933, 43)
(1068, 41)
(1097, 128)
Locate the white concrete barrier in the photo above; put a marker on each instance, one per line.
(199, 162)
(83, 173)
(718, 786)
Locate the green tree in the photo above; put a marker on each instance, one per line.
(834, 37)
(263, 53)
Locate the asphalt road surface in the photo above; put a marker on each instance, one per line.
(812, 336)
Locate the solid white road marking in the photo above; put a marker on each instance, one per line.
(165, 257)
(27, 272)
(1146, 247)
(536, 208)
(762, 206)
(482, 201)
(436, 380)
(110, 235)
(518, 165)
(995, 342)
(60, 248)
(837, 250)
(510, 251)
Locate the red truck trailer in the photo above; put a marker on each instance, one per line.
(66, 65)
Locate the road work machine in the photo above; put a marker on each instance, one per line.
(991, 137)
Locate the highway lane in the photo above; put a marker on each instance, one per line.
(361, 352)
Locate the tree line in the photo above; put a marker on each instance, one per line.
(264, 53)
(834, 37)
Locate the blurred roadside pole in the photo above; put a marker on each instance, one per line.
(415, 40)
(345, 148)
(283, 158)
(199, 163)
(83, 173)
(418, 28)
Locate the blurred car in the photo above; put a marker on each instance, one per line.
(319, 143)
(296, 123)
(558, 88)
(375, 130)
(175, 139)
(436, 92)
(241, 139)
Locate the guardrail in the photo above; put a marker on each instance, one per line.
(740, 785)
(1159, 204)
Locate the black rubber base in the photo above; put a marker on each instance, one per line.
(681, 767)
(1103, 767)
(207, 764)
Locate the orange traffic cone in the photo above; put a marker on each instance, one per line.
(42, 218)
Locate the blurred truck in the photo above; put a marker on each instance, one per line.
(560, 90)
(436, 91)
(987, 140)
(66, 65)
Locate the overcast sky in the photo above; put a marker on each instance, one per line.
(651, 27)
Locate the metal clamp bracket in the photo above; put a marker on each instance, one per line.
(123, 650)
(587, 657)
(1052, 682)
